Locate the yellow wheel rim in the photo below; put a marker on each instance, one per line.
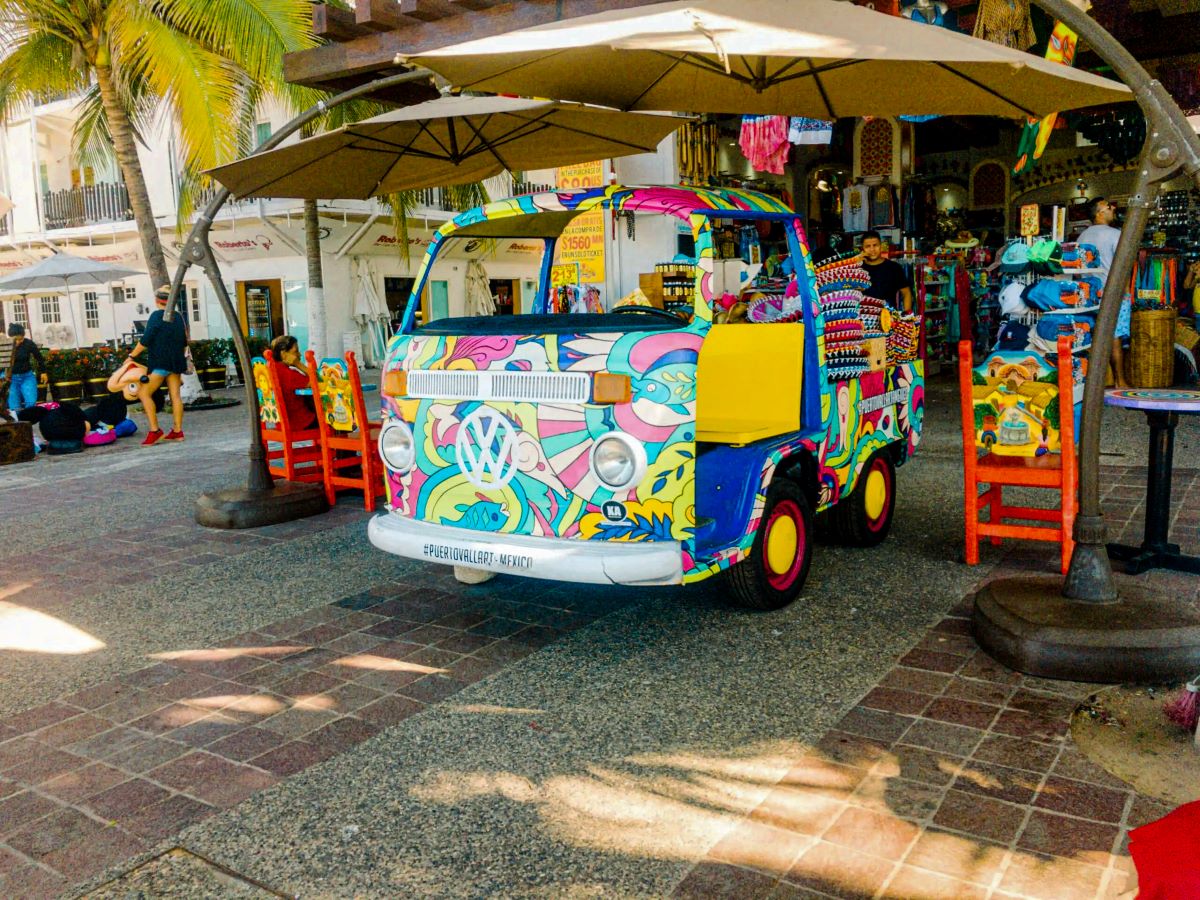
(782, 543)
(875, 496)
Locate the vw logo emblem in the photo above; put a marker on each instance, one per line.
(485, 447)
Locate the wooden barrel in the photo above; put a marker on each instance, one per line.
(1152, 348)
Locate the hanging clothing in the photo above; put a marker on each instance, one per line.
(809, 131)
(1005, 22)
(855, 216)
(931, 14)
(882, 207)
(764, 142)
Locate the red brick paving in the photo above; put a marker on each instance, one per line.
(952, 777)
(965, 784)
(950, 797)
(100, 775)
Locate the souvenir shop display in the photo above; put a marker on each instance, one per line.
(670, 286)
(643, 457)
(1048, 290)
(935, 298)
(802, 131)
(1005, 22)
(696, 149)
(764, 142)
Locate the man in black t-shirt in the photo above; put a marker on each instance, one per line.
(888, 280)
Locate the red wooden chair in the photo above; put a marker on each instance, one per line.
(348, 436)
(1053, 471)
(292, 454)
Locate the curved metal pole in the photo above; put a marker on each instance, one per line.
(1171, 147)
(196, 251)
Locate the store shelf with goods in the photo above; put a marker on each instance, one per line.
(935, 298)
(670, 285)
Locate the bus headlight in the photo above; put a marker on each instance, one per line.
(396, 446)
(618, 460)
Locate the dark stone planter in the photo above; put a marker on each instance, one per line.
(71, 391)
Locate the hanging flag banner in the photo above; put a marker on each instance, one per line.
(1036, 134)
(582, 242)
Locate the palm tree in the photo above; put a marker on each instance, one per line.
(201, 63)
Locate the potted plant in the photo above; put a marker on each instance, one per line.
(63, 370)
(256, 345)
(209, 359)
(96, 364)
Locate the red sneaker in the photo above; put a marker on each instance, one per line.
(173, 435)
(152, 437)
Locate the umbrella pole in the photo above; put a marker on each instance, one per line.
(1083, 629)
(261, 502)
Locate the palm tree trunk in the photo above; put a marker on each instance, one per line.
(125, 146)
(316, 285)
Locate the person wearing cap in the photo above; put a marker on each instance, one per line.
(888, 281)
(23, 381)
(165, 345)
(1103, 236)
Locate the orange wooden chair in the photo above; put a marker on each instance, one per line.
(348, 436)
(1053, 471)
(292, 454)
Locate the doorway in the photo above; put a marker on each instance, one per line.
(260, 308)
(504, 293)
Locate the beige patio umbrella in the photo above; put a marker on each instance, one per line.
(451, 140)
(818, 58)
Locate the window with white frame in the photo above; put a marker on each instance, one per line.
(20, 313)
(91, 310)
(194, 299)
(51, 314)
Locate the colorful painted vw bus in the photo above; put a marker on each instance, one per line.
(632, 439)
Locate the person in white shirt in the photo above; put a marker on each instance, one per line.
(1103, 236)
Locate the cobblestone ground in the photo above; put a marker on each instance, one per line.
(200, 713)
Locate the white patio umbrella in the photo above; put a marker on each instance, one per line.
(62, 270)
(818, 58)
(371, 312)
(480, 301)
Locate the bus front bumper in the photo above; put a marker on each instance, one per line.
(559, 559)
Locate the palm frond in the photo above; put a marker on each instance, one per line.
(254, 34)
(38, 67)
(203, 90)
(402, 204)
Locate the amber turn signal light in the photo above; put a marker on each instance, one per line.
(610, 388)
(395, 383)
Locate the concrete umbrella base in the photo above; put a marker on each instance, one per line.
(1147, 636)
(243, 508)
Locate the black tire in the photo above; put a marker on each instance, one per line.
(850, 520)
(752, 582)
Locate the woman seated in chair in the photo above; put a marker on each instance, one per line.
(293, 376)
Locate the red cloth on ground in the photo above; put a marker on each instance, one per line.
(300, 410)
(1167, 855)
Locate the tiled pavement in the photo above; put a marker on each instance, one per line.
(100, 775)
(955, 777)
(951, 777)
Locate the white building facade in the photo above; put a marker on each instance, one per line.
(260, 244)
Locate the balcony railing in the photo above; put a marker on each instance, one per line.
(530, 187)
(89, 204)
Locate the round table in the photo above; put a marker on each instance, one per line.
(1162, 407)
